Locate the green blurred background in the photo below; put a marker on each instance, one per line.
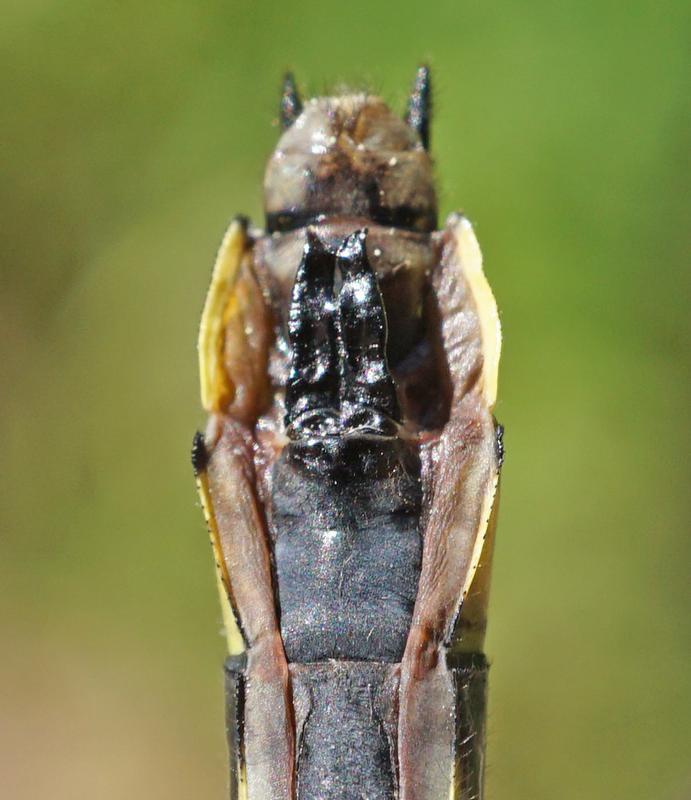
(131, 133)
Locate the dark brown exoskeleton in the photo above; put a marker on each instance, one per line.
(350, 467)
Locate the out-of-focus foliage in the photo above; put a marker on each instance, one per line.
(131, 133)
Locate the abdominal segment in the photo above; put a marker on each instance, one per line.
(347, 547)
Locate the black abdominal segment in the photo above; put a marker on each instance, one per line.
(347, 546)
(352, 699)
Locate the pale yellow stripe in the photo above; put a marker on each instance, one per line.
(242, 782)
(217, 389)
(470, 258)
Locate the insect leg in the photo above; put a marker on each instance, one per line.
(312, 387)
(368, 392)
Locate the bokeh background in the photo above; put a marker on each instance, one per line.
(131, 133)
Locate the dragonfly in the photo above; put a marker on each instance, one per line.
(349, 470)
